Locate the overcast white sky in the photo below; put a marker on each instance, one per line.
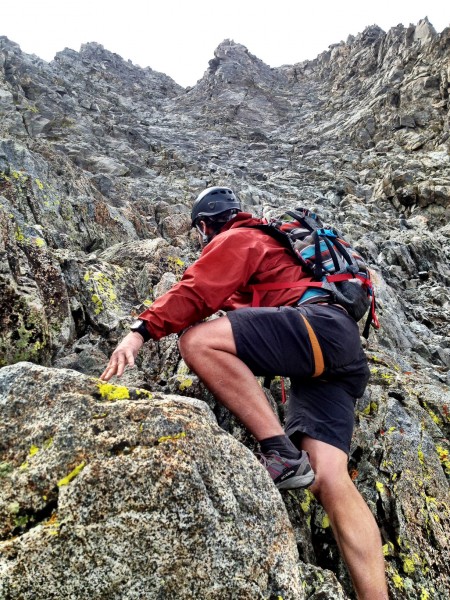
(178, 37)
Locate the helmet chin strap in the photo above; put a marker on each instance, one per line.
(205, 238)
(216, 225)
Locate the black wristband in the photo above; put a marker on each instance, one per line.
(140, 327)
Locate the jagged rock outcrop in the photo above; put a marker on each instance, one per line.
(99, 163)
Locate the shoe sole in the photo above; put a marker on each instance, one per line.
(299, 481)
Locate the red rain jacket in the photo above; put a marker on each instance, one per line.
(237, 257)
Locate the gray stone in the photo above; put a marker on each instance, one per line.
(118, 493)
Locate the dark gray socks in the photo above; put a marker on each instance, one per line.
(281, 444)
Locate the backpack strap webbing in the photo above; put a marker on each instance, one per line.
(319, 270)
(256, 288)
(343, 251)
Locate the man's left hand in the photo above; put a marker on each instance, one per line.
(124, 355)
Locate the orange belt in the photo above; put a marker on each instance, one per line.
(319, 365)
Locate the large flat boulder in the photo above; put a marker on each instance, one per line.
(108, 493)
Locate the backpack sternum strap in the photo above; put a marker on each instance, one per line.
(345, 276)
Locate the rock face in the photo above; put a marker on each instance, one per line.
(125, 494)
(99, 163)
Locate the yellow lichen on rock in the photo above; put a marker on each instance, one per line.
(68, 478)
(109, 391)
(408, 566)
(33, 450)
(185, 383)
(168, 438)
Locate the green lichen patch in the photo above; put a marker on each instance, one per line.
(48, 443)
(24, 329)
(102, 290)
(21, 521)
(5, 469)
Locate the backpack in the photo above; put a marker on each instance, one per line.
(337, 272)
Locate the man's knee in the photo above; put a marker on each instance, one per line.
(190, 344)
(212, 336)
(330, 466)
(331, 485)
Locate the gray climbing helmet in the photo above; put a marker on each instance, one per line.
(213, 201)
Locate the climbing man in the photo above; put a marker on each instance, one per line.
(315, 344)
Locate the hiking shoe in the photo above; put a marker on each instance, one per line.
(288, 473)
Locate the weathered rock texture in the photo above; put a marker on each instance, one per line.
(112, 493)
(99, 163)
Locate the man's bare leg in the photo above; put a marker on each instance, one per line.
(353, 524)
(209, 350)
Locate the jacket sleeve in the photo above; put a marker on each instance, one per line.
(225, 265)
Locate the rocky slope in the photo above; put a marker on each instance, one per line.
(99, 163)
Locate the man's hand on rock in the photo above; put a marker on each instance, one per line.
(123, 355)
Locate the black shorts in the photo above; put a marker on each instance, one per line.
(276, 341)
